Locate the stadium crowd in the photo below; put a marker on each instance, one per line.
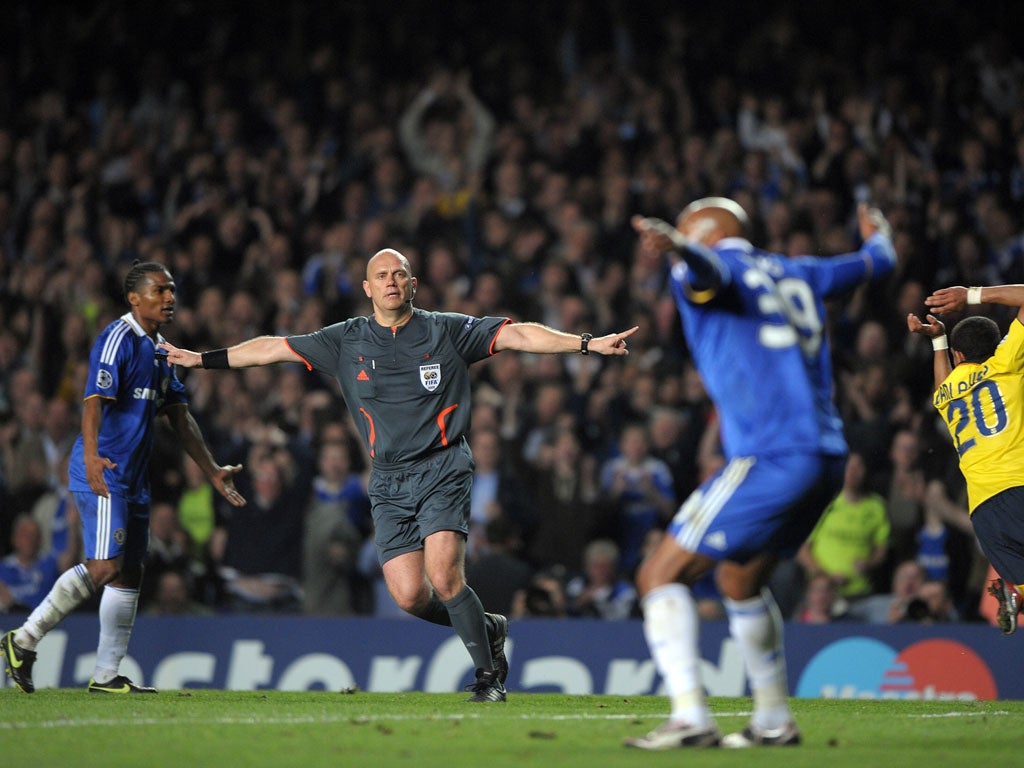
(264, 162)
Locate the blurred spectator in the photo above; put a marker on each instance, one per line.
(932, 604)
(169, 549)
(960, 554)
(851, 539)
(28, 574)
(567, 512)
(543, 598)
(496, 491)
(447, 134)
(497, 571)
(891, 608)
(665, 426)
(903, 489)
(26, 469)
(547, 415)
(196, 508)
(339, 507)
(57, 515)
(932, 544)
(696, 411)
(258, 547)
(868, 396)
(601, 592)
(171, 597)
(821, 604)
(639, 488)
(59, 431)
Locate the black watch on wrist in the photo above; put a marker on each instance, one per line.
(584, 343)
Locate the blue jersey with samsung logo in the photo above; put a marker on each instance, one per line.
(758, 340)
(126, 371)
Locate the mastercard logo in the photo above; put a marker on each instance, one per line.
(865, 668)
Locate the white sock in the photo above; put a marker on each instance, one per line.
(670, 626)
(117, 617)
(756, 626)
(71, 589)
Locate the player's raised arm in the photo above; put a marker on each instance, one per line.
(871, 221)
(957, 297)
(936, 331)
(263, 350)
(706, 271)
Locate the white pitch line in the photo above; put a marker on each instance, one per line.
(365, 719)
(314, 720)
(959, 714)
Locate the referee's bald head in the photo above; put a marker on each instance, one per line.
(387, 254)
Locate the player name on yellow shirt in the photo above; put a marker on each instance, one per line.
(951, 390)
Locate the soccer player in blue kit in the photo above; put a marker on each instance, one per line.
(754, 322)
(404, 374)
(130, 383)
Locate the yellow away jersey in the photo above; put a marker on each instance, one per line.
(983, 405)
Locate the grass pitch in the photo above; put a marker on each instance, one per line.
(271, 728)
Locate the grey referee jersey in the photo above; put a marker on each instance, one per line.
(407, 388)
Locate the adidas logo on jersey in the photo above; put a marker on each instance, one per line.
(716, 540)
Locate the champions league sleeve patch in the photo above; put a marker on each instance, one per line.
(104, 380)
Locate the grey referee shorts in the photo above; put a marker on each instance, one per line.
(411, 501)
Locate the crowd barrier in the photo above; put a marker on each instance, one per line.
(958, 661)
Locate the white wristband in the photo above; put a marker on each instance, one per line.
(939, 343)
(974, 295)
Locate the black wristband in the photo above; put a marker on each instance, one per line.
(585, 343)
(215, 358)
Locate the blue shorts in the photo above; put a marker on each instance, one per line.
(112, 527)
(999, 526)
(411, 502)
(758, 504)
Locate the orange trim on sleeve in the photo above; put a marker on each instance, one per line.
(440, 423)
(304, 360)
(490, 349)
(102, 397)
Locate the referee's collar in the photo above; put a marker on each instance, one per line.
(385, 330)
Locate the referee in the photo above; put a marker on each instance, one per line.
(404, 374)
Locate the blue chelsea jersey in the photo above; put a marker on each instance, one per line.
(759, 343)
(136, 383)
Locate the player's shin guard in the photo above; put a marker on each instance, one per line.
(671, 625)
(117, 617)
(71, 589)
(756, 626)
